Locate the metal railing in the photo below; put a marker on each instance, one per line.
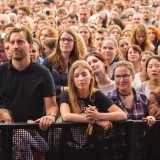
(130, 140)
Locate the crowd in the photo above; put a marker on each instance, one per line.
(91, 61)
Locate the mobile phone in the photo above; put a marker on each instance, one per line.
(47, 13)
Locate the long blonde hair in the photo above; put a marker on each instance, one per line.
(73, 92)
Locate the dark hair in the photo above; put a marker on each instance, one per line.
(27, 32)
(136, 48)
(153, 57)
(72, 15)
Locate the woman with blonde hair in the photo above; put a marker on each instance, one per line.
(115, 31)
(83, 103)
(85, 32)
(140, 37)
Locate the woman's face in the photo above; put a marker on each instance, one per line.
(116, 34)
(44, 35)
(123, 45)
(127, 34)
(82, 78)
(143, 61)
(34, 53)
(96, 64)
(153, 69)
(5, 118)
(140, 38)
(123, 78)
(46, 51)
(84, 33)
(133, 56)
(52, 22)
(109, 50)
(24, 22)
(152, 35)
(66, 42)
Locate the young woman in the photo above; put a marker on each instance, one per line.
(47, 32)
(83, 103)
(110, 50)
(100, 70)
(85, 32)
(23, 140)
(48, 47)
(115, 31)
(123, 44)
(132, 55)
(154, 35)
(153, 72)
(140, 37)
(35, 54)
(60, 61)
(142, 75)
(133, 103)
(154, 103)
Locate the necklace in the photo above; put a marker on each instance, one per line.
(125, 95)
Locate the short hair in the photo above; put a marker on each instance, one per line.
(135, 48)
(72, 15)
(102, 31)
(27, 32)
(26, 9)
(145, 53)
(126, 64)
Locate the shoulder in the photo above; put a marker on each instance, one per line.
(141, 97)
(4, 66)
(112, 94)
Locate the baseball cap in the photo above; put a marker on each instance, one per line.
(155, 4)
(48, 1)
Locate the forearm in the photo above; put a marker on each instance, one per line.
(73, 117)
(113, 116)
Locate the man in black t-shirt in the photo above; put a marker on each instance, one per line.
(26, 87)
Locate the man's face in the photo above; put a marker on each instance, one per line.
(99, 39)
(11, 3)
(72, 21)
(21, 14)
(146, 14)
(83, 15)
(3, 56)
(3, 22)
(19, 46)
(137, 19)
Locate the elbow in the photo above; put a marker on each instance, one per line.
(124, 116)
(65, 118)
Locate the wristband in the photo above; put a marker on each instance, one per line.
(52, 114)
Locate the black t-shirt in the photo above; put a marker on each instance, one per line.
(23, 92)
(101, 101)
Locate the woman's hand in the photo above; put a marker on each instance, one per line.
(105, 124)
(91, 113)
(150, 120)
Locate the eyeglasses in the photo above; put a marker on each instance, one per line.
(124, 76)
(69, 40)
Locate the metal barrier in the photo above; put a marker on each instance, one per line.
(130, 140)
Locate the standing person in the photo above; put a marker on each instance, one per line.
(130, 101)
(100, 71)
(24, 141)
(26, 87)
(153, 72)
(142, 75)
(59, 62)
(132, 55)
(140, 37)
(110, 50)
(83, 103)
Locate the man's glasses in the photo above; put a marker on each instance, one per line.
(69, 40)
(123, 76)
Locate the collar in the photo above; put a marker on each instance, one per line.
(10, 67)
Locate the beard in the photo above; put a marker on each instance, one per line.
(12, 6)
(18, 56)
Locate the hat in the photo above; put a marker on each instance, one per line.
(48, 1)
(155, 4)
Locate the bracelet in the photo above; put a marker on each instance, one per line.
(52, 114)
(63, 88)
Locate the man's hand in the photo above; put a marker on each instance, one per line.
(44, 122)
